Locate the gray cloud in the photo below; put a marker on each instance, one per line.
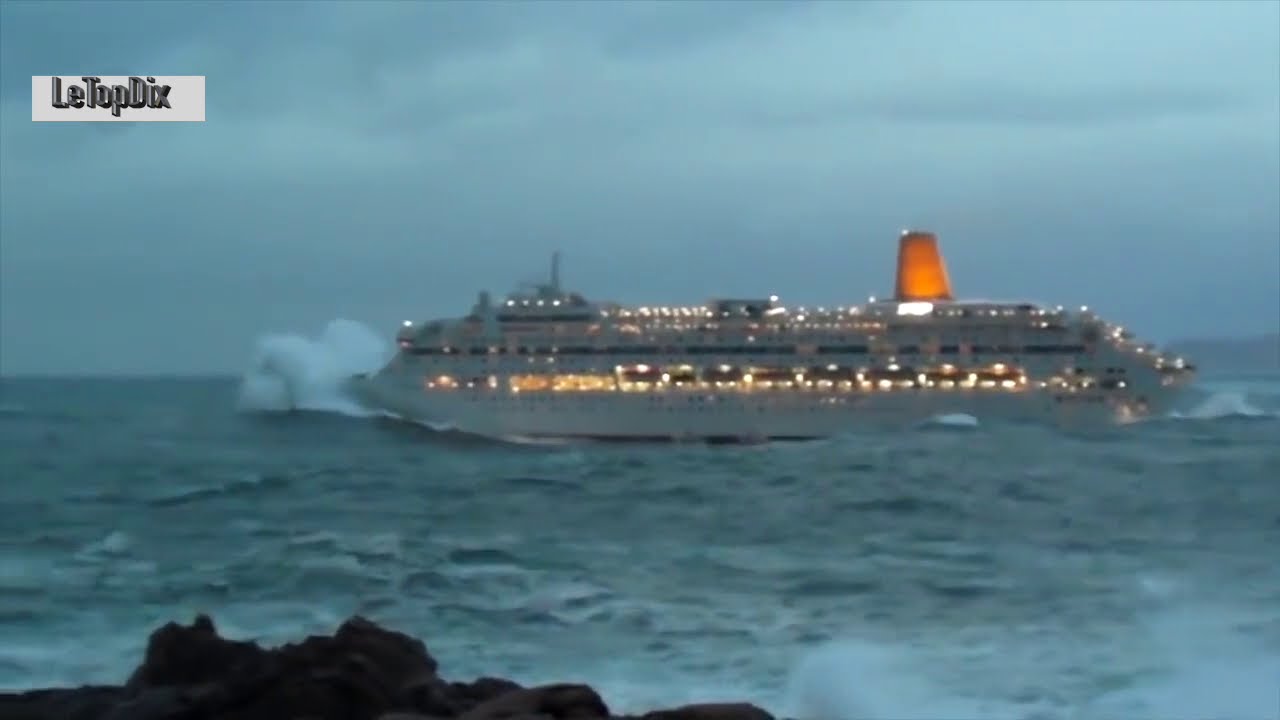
(381, 161)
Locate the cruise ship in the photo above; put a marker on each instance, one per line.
(548, 363)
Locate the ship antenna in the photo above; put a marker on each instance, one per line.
(555, 271)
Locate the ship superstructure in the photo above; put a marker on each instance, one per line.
(548, 362)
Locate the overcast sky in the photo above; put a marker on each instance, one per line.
(380, 162)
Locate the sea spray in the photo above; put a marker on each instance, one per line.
(294, 372)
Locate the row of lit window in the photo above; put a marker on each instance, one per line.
(720, 347)
(702, 311)
(610, 383)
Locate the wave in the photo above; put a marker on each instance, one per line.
(953, 421)
(1185, 659)
(1221, 405)
(292, 372)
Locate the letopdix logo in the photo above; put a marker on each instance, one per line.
(109, 98)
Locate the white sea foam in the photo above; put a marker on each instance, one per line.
(294, 372)
(860, 679)
(1222, 405)
(1183, 657)
(954, 420)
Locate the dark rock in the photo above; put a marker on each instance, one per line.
(159, 703)
(409, 654)
(482, 690)
(427, 694)
(561, 702)
(361, 672)
(178, 655)
(83, 703)
(711, 711)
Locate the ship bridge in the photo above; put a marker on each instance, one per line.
(546, 302)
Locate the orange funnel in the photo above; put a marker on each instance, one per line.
(921, 273)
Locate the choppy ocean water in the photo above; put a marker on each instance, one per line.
(961, 570)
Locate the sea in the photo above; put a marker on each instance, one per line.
(963, 569)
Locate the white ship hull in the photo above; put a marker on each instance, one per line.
(692, 415)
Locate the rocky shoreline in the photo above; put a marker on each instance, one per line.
(361, 672)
